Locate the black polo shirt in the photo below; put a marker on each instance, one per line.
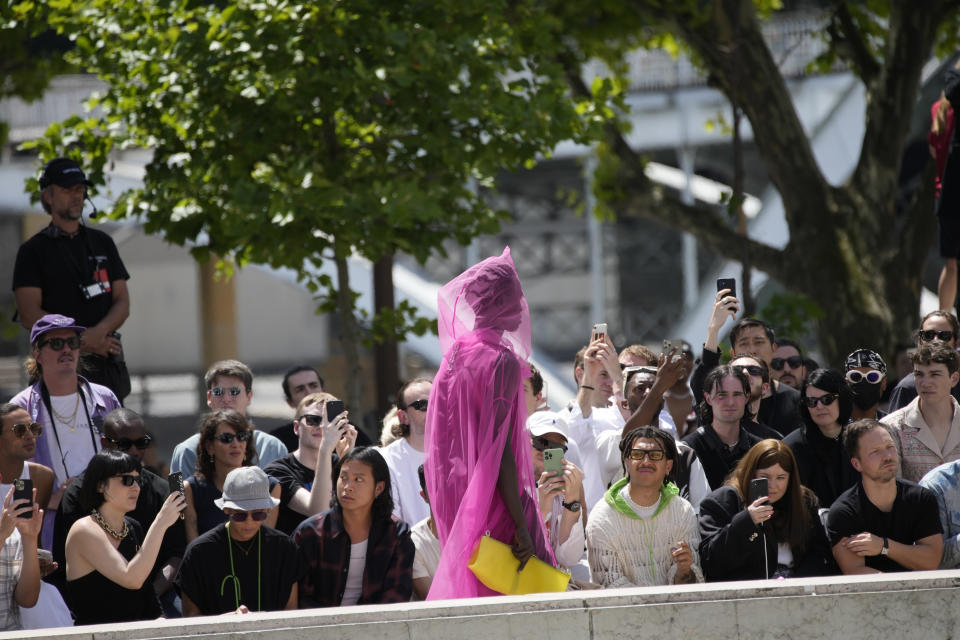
(59, 264)
(914, 515)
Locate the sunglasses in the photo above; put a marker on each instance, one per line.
(219, 391)
(655, 455)
(227, 438)
(419, 405)
(826, 400)
(57, 343)
(750, 369)
(129, 481)
(20, 429)
(928, 335)
(795, 362)
(311, 419)
(241, 516)
(873, 377)
(542, 444)
(124, 444)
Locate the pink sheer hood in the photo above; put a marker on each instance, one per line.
(476, 406)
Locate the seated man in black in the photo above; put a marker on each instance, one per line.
(882, 523)
(123, 429)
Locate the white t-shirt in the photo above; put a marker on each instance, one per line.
(642, 512)
(354, 586)
(77, 444)
(427, 558)
(403, 461)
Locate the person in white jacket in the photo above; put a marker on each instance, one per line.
(643, 533)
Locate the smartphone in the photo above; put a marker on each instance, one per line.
(553, 461)
(23, 490)
(727, 283)
(175, 482)
(758, 489)
(599, 331)
(334, 408)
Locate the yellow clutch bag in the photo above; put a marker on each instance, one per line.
(496, 567)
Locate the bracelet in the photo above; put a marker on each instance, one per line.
(583, 386)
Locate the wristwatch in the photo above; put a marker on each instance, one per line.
(572, 506)
(886, 547)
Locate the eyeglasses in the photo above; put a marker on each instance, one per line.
(311, 419)
(124, 444)
(419, 405)
(928, 335)
(826, 400)
(219, 391)
(749, 369)
(20, 429)
(57, 343)
(542, 444)
(873, 377)
(241, 516)
(227, 438)
(129, 481)
(655, 455)
(795, 362)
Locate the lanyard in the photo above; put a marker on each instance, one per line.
(91, 256)
(233, 573)
(53, 421)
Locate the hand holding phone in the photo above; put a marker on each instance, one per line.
(727, 283)
(553, 461)
(599, 331)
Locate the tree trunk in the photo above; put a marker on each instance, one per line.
(349, 341)
(386, 358)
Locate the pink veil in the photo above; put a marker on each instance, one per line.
(476, 404)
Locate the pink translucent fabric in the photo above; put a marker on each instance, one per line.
(476, 406)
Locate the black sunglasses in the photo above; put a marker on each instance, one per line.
(419, 405)
(124, 444)
(542, 444)
(311, 419)
(795, 362)
(20, 429)
(241, 516)
(750, 369)
(928, 335)
(826, 400)
(57, 343)
(129, 481)
(227, 438)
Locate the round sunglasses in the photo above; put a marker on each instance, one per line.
(873, 377)
(20, 429)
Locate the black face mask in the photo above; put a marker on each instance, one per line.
(866, 395)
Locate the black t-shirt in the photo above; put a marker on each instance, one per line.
(207, 562)
(915, 515)
(153, 493)
(292, 475)
(58, 265)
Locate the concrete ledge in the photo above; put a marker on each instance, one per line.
(923, 605)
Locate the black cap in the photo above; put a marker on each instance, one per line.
(63, 172)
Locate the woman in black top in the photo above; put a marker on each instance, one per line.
(779, 535)
(109, 560)
(826, 404)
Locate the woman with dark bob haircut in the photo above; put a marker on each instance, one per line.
(226, 443)
(826, 404)
(108, 556)
(375, 548)
(775, 536)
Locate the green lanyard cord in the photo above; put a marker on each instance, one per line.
(233, 573)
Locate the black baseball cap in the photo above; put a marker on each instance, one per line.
(63, 172)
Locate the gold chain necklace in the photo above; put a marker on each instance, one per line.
(249, 548)
(119, 535)
(71, 420)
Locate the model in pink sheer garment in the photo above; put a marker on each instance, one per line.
(478, 466)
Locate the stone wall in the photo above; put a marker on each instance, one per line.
(894, 606)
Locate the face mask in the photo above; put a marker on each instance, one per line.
(865, 395)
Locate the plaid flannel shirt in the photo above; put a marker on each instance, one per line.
(11, 559)
(325, 550)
